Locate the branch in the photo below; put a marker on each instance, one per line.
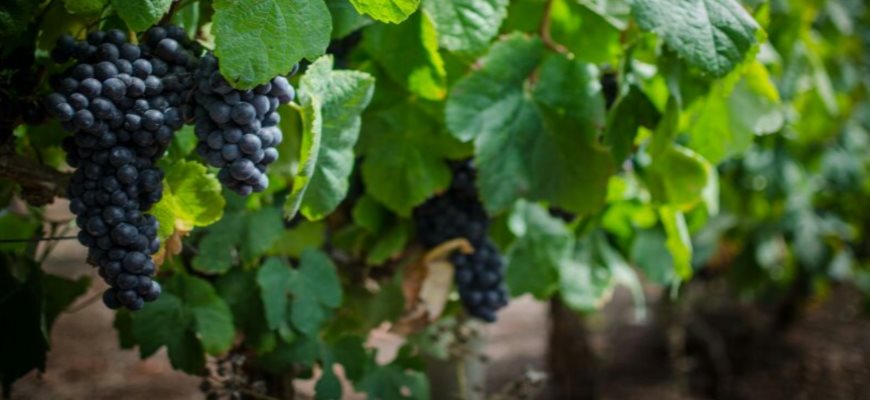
(544, 30)
(39, 184)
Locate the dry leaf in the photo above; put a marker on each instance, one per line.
(426, 285)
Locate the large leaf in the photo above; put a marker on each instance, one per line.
(141, 14)
(31, 303)
(486, 101)
(392, 382)
(345, 19)
(490, 106)
(188, 318)
(713, 35)
(408, 52)
(585, 280)
(725, 122)
(85, 7)
(404, 165)
(632, 111)
(212, 319)
(216, 250)
(466, 25)
(530, 144)
(274, 278)
(589, 34)
(341, 96)
(680, 177)
(256, 40)
(249, 234)
(316, 289)
(543, 244)
(313, 289)
(165, 322)
(571, 105)
(393, 11)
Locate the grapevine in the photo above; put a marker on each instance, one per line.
(444, 167)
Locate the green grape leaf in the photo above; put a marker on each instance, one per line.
(256, 40)
(216, 250)
(543, 244)
(393, 11)
(725, 122)
(404, 164)
(585, 280)
(351, 352)
(17, 226)
(629, 113)
(369, 214)
(345, 19)
(189, 319)
(390, 243)
(587, 33)
(274, 278)
(165, 322)
(212, 320)
(310, 115)
(60, 294)
(249, 233)
(15, 15)
(394, 382)
(263, 228)
(651, 255)
(85, 7)
(491, 107)
(571, 105)
(408, 53)
(141, 14)
(678, 241)
(528, 144)
(23, 343)
(466, 25)
(486, 101)
(341, 97)
(303, 236)
(713, 35)
(316, 289)
(191, 198)
(680, 177)
(239, 290)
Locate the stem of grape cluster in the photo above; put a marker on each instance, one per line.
(544, 29)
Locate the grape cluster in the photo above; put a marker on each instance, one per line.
(238, 129)
(455, 213)
(479, 279)
(121, 102)
(458, 213)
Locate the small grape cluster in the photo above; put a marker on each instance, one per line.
(455, 213)
(480, 281)
(238, 129)
(122, 103)
(458, 213)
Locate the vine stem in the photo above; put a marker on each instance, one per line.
(37, 239)
(40, 184)
(544, 29)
